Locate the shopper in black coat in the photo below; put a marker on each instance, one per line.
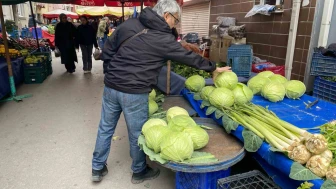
(86, 39)
(65, 34)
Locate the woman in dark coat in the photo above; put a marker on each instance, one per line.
(65, 41)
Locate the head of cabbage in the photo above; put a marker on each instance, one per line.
(242, 94)
(195, 83)
(175, 111)
(278, 78)
(152, 107)
(273, 91)
(206, 91)
(266, 74)
(226, 79)
(295, 89)
(180, 122)
(152, 94)
(256, 83)
(198, 135)
(221, 97)
(153, 122)
(176, 146)
(154, 137)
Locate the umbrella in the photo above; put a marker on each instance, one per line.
(99, 11)
(57, 12)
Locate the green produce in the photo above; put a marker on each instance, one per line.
(154, 137)
(278, 78)
(153, 122)
(328, 130)
(206, 91)
(181, 122)
(306, 185)
(331, 78)
(175, 111)
(176, 146)
(152, 107)
(152, 95)
(226, 79)
(198, 135)
(266, 74)
(273, 91)
(221, 97)
(242, 94)
(195, 83)
(257, 83)
(187, 71)
(295, 89)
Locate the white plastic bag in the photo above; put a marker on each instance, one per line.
(57, 52)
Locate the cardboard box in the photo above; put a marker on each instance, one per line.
(214, 49)
(225, 44)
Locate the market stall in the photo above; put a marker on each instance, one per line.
(57, 12)
(103, 11)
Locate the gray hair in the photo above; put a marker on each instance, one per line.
(164, 6)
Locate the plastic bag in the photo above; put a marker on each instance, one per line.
(277, 70)
(57, 52)
(96, 54)
(259, 67)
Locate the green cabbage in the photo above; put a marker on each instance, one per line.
(221, 97)
(153, 122)
(278, 78)
(226, 79)
(154, 137)
(266, 74)
(152, 107)
(176, 146)
(180, 122)
(195, 83)
(152, 94)
(256, 83)
(273, 91)
(174, 111)
(198, 135)
(295, 89)
(206, 91)
(242, 94)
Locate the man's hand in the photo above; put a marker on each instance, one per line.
(220, 70)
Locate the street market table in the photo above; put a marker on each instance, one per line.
(17, 66)
(292, 111)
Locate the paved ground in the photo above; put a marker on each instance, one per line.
(47, 141)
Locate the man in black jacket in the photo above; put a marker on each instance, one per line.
(131, 67)
(86, 39)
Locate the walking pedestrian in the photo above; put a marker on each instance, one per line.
(86, 39)
(65, 34)
(133, 57)
(101, 32)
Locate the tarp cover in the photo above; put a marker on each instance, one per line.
(57, 12)
(99, 11)
(17, 67)
(292, 111)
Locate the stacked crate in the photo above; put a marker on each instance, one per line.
(37, 72)
(239, 58)
(322, 67)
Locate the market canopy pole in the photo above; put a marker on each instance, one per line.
(9, 64)
(32, 14)
(142, 5)
(123, 11)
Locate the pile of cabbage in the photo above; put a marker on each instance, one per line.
(176, 139)
(275, 87)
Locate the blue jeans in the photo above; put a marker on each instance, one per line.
(101, 42)
(135, 109)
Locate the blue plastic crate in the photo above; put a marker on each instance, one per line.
(324, 89)
(323, 65)
(200, 180)
(240, 59)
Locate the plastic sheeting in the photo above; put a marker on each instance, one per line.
(17, 65)
(292, 111)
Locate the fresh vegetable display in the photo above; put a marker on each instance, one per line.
(176, 141)
(154, 103)
(313, 154)
(186, 71)
(195, 83)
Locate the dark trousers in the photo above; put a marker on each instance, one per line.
(70, 66)
(87, 57)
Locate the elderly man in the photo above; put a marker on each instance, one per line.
(133, 57)
(101, 32)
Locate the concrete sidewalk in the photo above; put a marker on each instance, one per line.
(47, 140)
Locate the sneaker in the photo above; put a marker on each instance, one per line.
(85, 72)
(97, 175)
(147, 174)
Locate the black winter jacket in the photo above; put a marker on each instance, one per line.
(135, 67)
(86, 35)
